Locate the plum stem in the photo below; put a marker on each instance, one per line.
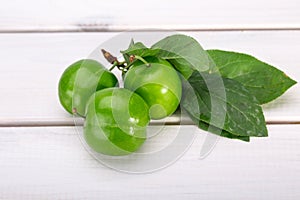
(113, 60)
(114, 65)
(133, 57)
(117, 64)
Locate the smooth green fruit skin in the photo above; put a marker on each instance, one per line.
(79, 81)
(158, 84)
(116, 121)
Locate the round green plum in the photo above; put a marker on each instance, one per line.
(116, 121)
(79, 81)
(158, 84)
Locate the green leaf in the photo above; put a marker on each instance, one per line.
(264, 81)
(138, 49)
(126, 57)
(205, 126)
(131, 42)
(184, 52)
(215, 102)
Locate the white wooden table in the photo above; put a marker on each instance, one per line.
(41, 156)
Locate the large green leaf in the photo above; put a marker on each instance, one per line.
(217, 102)
(217, 131)
(184, 52)
(264, 81)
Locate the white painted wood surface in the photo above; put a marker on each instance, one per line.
(50, 163)
(33, 63)
(83, 15)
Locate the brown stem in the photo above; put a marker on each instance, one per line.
(113, 60)
(110, 58)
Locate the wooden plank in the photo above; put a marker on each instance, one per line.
(70, 15)
(51, 163)
(32, 64)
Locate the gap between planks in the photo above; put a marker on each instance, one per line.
(170, 121)
(87, 29)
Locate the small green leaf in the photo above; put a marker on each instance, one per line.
(131, 42)
(139, 49)
(126, 57)
(264, 81)
(184, 52)
(217, 102)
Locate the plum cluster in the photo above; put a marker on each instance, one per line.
(116, 119)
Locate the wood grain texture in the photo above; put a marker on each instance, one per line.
(114, 15)
(51, 163)
(32, 64)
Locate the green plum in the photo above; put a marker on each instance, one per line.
(158, 84)
(79, 81)
(116, 121)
